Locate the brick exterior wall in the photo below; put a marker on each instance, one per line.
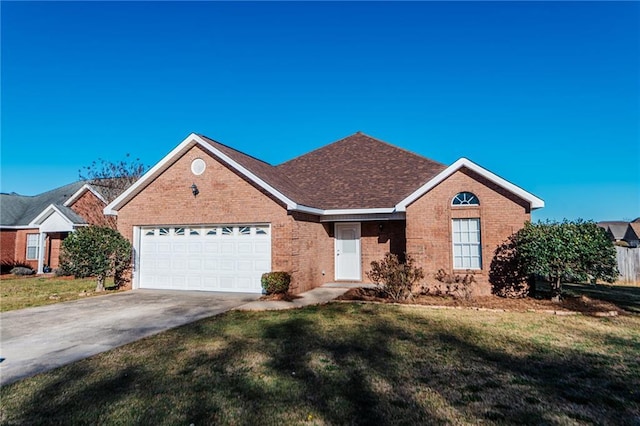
(91, 209)
(21, 247)
(8, 245)
(429, 222)
(376, 242)
(224, 198)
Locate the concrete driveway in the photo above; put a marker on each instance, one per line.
(35, 340)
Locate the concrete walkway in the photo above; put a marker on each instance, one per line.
(317, 296)
(35, 340)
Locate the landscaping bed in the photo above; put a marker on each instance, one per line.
(568, 304)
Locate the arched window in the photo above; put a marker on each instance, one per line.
(465, 199)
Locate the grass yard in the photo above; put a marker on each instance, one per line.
(26, 292)
(349, 363)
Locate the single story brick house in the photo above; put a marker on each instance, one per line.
(209, 217)
(33, 227)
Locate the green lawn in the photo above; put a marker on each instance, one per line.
(19, 293)
(349, 363)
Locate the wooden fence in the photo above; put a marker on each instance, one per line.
(629, 264)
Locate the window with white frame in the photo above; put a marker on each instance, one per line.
(466, 244)
(465, 199)
(32, 246)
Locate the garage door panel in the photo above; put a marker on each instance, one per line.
(244, 266)
(211, 247)
(209, 257)
(245, 248)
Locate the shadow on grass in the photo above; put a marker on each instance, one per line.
(338, 364)
(625, 297)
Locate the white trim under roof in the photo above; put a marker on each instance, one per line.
(536, 203)
(79, 192)
(38, 220)
(183, 147)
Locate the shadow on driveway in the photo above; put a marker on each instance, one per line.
(35, 340)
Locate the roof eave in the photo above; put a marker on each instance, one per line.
(534, 202)
(79, 192)
(190, 141)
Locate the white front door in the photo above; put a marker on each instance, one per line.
(347, 248)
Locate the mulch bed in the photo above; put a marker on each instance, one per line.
(279, 297)
(569, 304)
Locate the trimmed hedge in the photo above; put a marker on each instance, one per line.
(275, 282)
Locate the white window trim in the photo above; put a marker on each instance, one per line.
(455, 244)
(36, 246)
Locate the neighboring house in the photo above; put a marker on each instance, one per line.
(621, 231)
(632, 236)
(615, 229)
(208, 217)
(33, 227)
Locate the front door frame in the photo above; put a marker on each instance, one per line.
(356, 226)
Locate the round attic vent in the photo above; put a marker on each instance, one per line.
(197, 166)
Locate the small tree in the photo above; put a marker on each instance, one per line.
(113, 178)
(568, 249)
(395, 280)
(96, 251)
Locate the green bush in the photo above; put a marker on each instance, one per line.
(275, 282)
(96, 251)
(395, 279)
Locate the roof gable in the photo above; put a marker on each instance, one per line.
(535, 202)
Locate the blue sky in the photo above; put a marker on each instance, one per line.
(544, 94)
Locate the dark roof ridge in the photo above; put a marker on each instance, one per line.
(234, 149)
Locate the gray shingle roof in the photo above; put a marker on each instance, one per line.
(20, 210)
(616, 228)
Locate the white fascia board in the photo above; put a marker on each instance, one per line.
(306, 209)
(162, 165)
(37, 221)
(320, 212)
(17, 227)
(359, 211)
(536, 203)
(79, 192)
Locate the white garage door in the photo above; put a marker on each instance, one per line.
(210, 258)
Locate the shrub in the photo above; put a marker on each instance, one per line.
(454, 285)
(7, 265)
(559, 250)
(395, 279)
(21, 270)
(507, 274)
(96, 251)
(275, 282)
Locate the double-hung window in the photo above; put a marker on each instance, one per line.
(32, 246)
(466, 244)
